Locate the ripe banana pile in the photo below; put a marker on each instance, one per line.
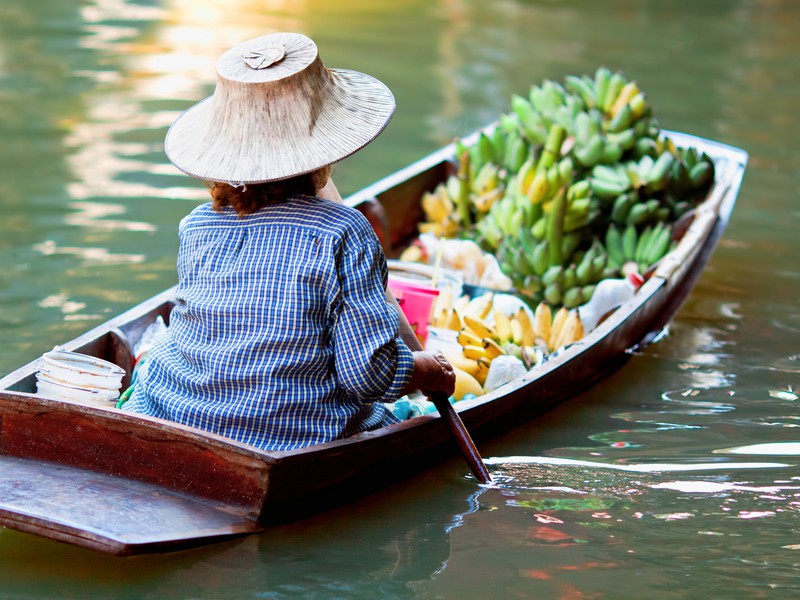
(484, 333)
(573, 185)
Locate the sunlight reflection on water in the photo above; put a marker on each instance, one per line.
(89, 89)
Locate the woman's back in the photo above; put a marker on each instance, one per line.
(281, 336)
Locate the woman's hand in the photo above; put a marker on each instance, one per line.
(433, 373)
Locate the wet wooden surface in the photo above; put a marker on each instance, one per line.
(105, 512)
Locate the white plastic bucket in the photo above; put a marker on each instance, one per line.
(65, 375)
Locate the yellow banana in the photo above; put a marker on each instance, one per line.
(524, 320)
(488, 307)
(502, 325)
(525, 176)
(542, 321)
(479, 327)
(483, 201)
(479, 306)
(483, 364)
(468, 365)
(517, 333)
(555, 329)
(625, 96)
(429, 208)
(571, 331)
(468, 338)
(475, 352)
(492, 348)
(579, 331)
(538, 188)
(446, 229)
(454, 320)
(638, 105)
(443, 203)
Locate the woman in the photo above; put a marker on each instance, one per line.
(282, 336)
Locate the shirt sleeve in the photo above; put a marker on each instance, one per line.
(372, 362)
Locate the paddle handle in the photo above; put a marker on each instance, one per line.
(442, 404)
(462, 437)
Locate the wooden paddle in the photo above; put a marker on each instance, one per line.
(442, 404)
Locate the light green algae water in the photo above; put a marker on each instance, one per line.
(90, 208)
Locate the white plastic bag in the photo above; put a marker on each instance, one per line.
(504, 368)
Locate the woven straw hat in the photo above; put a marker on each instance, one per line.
(277, 112)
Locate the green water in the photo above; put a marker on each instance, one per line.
(90, 208)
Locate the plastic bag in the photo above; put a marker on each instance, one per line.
(153, 331)
(504, 368)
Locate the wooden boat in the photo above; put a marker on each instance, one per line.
(104, 479)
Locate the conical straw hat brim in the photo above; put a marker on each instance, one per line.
(254, 148)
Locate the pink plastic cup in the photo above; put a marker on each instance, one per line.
(417, 302)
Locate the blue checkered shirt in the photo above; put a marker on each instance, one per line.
(281, 336)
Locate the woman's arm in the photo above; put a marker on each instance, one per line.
(432, 371)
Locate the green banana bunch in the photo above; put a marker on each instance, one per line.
(573, 284)
(531, 125)
(489, 234)
(542, 181)
(700, 170)
(642, 213)
(655, 242)
(486, 188)
(574, 182)
(652, 174)
(643, 248)
(583, 210)
(516, 151)
(583, 87)
(609, 182)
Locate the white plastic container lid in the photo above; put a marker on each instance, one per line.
(78, 368)
(78, 377)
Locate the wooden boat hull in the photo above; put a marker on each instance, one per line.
(123, 484)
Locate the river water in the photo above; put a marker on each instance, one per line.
(90, 208)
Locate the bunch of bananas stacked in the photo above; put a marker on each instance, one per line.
(484, 333)
(542, 189)
(482, 177)
(639, 250)
(692, 174)
(439, 208)
(617, 119)
(536, 227)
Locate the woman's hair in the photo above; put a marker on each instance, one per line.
(249, 198)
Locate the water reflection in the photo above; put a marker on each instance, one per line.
(90, 206)
(632, 468)
(640, 519)
(400, 538)
(775, 449)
